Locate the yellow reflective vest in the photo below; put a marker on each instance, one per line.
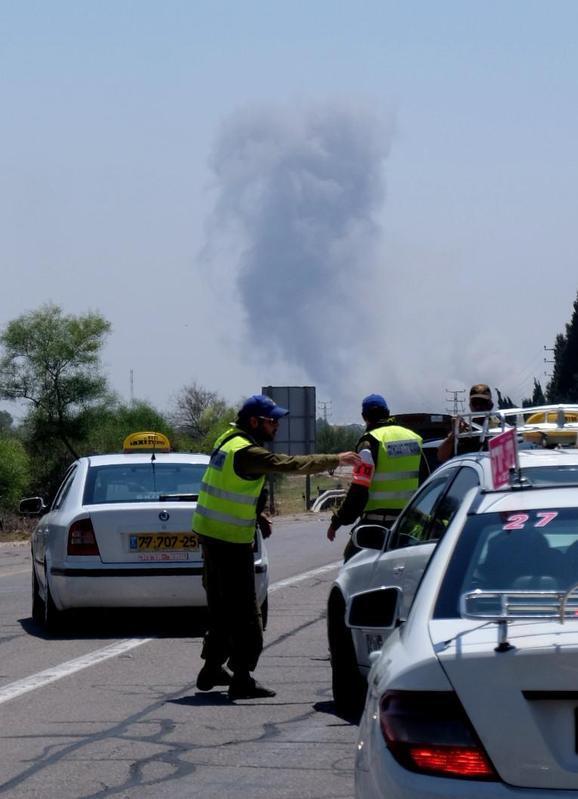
(396, 473)
(227, 504)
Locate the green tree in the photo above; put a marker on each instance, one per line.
(503, 400)
(53, 361)
(14, 473)
(215, 421)
(537, 397)
(563, 387)
(108, 426)
(336, 438)
(195, 411)
(5, 423)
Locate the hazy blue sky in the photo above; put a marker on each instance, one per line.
(369, 196)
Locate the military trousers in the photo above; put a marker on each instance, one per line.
(235, 631)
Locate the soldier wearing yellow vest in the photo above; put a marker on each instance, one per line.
(399, 467)
(230, 505)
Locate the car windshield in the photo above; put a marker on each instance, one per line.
(142, 482)
(533, 550)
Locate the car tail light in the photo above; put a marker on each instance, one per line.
(81, 539)
(429, 732)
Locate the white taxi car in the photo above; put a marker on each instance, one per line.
(475, 690)
(398, 557)
(118, 534)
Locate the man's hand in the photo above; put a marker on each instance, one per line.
(264, 525)
(349, 459)
(331, 530)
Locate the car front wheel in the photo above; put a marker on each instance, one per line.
(349, 686)
(265, 612)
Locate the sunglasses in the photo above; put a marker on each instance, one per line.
(268, 419)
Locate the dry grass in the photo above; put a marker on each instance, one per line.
(15, 528)
(290, 493)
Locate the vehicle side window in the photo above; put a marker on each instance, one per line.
(466, 479)
(64, 488)
(413, 526)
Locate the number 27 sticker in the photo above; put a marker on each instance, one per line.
(518, 520)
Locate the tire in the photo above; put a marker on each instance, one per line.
(37, 601)
(53, 618)
(348, 684)
(265, 612)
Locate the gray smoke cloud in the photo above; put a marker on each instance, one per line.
(302, 189)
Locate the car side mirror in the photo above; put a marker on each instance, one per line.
(370, 536)
(377, 609)
(32, 506)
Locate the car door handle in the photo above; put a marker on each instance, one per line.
(398, 569)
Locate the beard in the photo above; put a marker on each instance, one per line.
(261, 434)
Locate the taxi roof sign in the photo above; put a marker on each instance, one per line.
(146, 442)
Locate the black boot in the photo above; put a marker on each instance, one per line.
(246, 687)
(211, 675)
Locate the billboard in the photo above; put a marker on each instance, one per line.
(296, 434)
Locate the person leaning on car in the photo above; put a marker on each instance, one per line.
(400, 467)
(230, 505)
(480, 400)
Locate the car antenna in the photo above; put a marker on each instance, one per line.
(153, 459)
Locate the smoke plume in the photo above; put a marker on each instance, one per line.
(302, 189)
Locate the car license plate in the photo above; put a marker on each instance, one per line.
(162, 542)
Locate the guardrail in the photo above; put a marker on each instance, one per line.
(329, 497)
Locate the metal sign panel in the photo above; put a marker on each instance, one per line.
(296, 434)
(503, 456)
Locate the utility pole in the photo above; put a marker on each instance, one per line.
(131, 387)
(546, 360)
(457, 400)
(325, 408)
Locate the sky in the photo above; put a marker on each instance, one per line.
(364, 197)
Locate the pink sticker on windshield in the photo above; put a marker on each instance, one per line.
(518, 521)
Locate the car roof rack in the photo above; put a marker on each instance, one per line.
(553, 425)
(527, 605)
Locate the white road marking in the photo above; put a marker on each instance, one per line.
(43, 678)
(305, 576)
(14, 689)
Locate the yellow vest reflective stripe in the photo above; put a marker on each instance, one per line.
(397, 470)
(226, 508)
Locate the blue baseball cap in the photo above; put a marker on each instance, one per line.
(374, 401)
(261, 405)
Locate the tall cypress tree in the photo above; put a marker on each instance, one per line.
(563, 387)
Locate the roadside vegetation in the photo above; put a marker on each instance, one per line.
(50, 364)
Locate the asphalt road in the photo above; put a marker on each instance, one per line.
(111, 709)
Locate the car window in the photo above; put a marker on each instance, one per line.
(551, 475)
(62, 492)
(466, 479)
(413, 525)
(523, 550)
(142, 482)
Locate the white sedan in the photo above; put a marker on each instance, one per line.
(475, 691)
(118, 534)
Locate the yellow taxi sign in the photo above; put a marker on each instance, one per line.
(146, 442)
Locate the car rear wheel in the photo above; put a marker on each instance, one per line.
(53, 618)
(349, 686)
(37, 601)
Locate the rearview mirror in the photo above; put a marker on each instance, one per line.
(377, 609)
(370, 536)
(32, 506)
